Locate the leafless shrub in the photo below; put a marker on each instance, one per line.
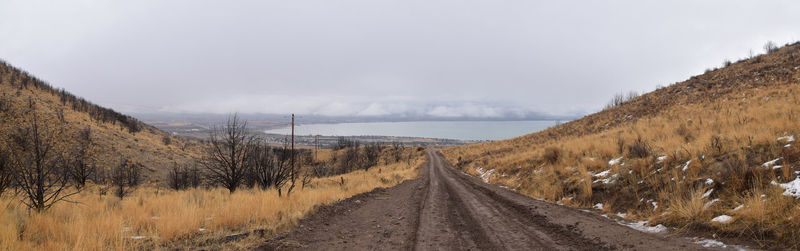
(717, 146)
(81, 168)
(125, 177)
(371, 155)
(770, 47)
(620, 145)
(727, 63)
(269, 167)
(639, 149)
(621, 98)
(6, 174)
(396, 152)
(166, 140)
(183, 177)
(306, 180)
(684, 132)
(342, 143)
(349, 160)
(551, 155)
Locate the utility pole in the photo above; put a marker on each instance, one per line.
(292, 162)
(316, 146)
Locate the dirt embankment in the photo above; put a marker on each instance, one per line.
(445, 209)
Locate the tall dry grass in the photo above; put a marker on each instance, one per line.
(713, 140)
(153, 218)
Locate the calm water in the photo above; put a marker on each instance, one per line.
(464, 130)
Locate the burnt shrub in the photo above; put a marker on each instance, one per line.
(125, 177)
(639, 149)
(684, 132)
(551, 154)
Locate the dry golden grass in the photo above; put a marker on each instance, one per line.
(720, 126)
(111, 141)
(153, 218)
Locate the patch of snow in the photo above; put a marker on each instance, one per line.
(709, 243)
(686, 166)
(738, 208)
(609, 180)
(201, 229)
(710, 203)
(598, 206)
(709, 181)
(787, 145)
(614, 161)
(708, 193)
(485, 174)
(642, 226)
(661, 158)
(789, 138)
(792, 188)
(155, 218)
(622, 215)
(722, 219)
(777, 167)
(138, 237)
(771, 162)
(603, 173)
(655, 205)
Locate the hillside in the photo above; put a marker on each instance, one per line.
(114, 135)
(714, 154)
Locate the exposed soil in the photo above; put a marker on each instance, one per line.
(445, 209)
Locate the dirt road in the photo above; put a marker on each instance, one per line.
(445, 209)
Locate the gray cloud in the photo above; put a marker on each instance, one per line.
(441, 58)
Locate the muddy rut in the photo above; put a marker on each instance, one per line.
(445, 209)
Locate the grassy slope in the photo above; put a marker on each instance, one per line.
(112, 141)
(716, 131)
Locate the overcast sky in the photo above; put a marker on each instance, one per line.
(483, 59)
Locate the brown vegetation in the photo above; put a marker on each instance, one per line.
(680, 155)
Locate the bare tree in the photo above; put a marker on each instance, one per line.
(396, 152)
(371, 154)
(350, 160)
(770, 47)
(81, 168)
(125, 177)
(621, 98)
(183, 177)
(269, 166)
(176, 178)
(6, 174)
(40, 172)
(226, 161)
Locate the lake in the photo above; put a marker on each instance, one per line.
(463, 130)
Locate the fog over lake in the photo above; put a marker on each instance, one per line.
(463, 130)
